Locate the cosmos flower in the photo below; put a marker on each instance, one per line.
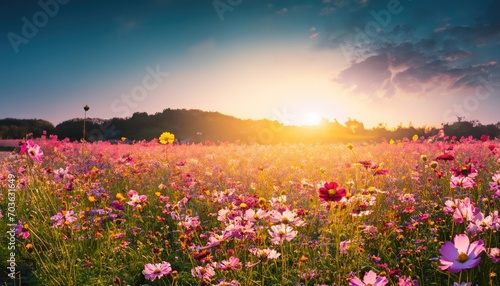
(330, 193)
(32, 149)
(233, 263)
(461, 254)
(22, 230)
(407, 281)
(167, 138)
(203, 273)
(265, 254)
(158, 270)
(281, 232)
(370, 278)
(137, 200)
(445, 157)
(63, 217)
(494, 254)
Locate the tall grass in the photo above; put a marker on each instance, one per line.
(207, 205)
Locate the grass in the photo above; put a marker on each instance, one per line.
(96, 214)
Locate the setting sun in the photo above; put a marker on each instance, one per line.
(309, 119)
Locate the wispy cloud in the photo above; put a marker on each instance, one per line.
(203, 47)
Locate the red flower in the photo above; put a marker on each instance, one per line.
(445, 157)
(330, 193)
(485, 138)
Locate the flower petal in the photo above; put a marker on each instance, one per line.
(462, 243)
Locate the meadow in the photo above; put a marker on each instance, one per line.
(410, 212)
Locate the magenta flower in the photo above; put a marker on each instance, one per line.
(370, 278)
(331, 193)
(22, 230)
(461, 255)
(445, 157)
(32, 149)
(153, 271)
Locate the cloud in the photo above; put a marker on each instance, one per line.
(412, 69)
(422, 58)
(282, 11)
(203, 47)
(314, 36)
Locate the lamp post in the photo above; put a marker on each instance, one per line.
(86, 108)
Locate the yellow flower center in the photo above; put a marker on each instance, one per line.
(462, 257)
(332, 192)
(157, 270)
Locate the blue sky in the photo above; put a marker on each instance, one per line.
(424, 62)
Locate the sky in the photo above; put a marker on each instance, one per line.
(391, 62)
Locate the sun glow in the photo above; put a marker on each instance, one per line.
(309, 119)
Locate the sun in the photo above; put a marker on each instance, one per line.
(310, 119)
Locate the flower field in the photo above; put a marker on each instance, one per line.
(410, 212)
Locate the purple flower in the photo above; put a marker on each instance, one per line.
(461, 255)
(22, 230)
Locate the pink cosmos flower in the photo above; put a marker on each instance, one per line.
(232, 264)
(153, 271)
(494, 254)
(137, 200)
(495, 184)
(344, 245)
(63, 217)
(286, 217)
(265, 254)
(203, 273)
(464, 182)
(407, 281)
(465, 211)
(370, 278)
(281, 232)
(32, 149)
(460, 255)
(224, 283)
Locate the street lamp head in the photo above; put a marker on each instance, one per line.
(86, 107)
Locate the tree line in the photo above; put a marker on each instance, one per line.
(196, 126)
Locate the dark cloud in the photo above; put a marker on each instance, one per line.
(420, 59)
(412, 69)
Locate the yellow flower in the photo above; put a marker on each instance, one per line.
(124, 138)
(415, 137)
(167, 138)
(92, 199)
(120, 197)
